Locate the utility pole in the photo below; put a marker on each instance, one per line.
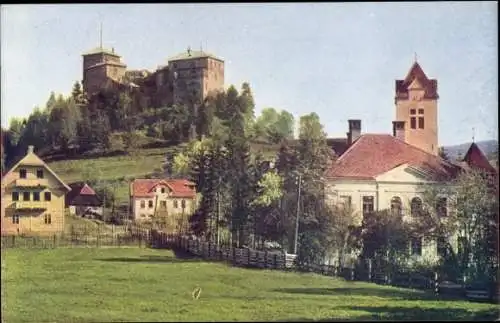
(297, 218)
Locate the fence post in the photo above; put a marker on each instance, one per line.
(265, 258)
(275, 261)
(233, 249)
(436, 283)
(370, 269)
(352, 272)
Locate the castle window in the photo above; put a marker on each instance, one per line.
(413, 123)
(15, 196)
(22, 173)
(421, 122)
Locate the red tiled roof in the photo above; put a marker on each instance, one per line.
(476, 159)
(374, 154)
(82, 194)
(179, 187)
(416, 72)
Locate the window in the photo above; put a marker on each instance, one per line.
(442, 247)
(416, 246)
(36, 196)
(163, 204)
(346, 200)
(15, 219)
(176, 204)
(22, 173)
(15, 196)
(368, 206)
(416, 206)
(47, 219)
(48, 196)
(413, 123)
(421, 122)
(143, 204)
(396, 205)
(143, 215)
(441, 208)
(163, 189)
(26, 196)
(39, 173)
(412, 111)
(420, 111)
(183, 204)
(150, 204)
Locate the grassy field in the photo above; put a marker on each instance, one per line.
(133, 284)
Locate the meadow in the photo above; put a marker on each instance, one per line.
(139, 284)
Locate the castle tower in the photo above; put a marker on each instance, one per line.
(195, 74)
(416, 105)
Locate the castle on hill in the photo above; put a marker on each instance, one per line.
(188, 76)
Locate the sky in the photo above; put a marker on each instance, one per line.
(339, 60)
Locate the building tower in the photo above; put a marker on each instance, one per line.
(416, 105)
(195, 75)
(100, 66)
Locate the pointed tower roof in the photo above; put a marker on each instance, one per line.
(476, 159)
(416, 73)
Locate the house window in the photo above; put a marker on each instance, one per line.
(412, 111)
(143, 204)
(36, 196)
(176, 204)
(26, 196)
(163, 204)
(413, 123)
(345, 200)
(441, 247)
(47, 219)
(416, 246)
(416, 206)
(15, 196)
(421, 122)
(163, 189)
(15, 219)
(22, 173)
(150, 204)
(39, 173)
(368, 205)
(183, 204)
(48, 196)
(396, 205)
(441, 208)
(420, 111)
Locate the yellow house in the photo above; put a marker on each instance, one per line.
(33, 198)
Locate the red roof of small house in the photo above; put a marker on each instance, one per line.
(178, 187)
(374, 154)
(477, 160)
(82, 194)
(416, 72)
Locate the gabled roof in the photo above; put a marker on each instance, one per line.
(33, 160)
(82, 194)
(476, 159)
(372, 155)
(193, 54)
(179, 187)
(416, 73)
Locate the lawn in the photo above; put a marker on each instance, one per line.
(133, 284)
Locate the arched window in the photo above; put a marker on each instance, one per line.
(416, 206)
(396, 205)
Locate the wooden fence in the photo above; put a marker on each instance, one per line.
(369, 271)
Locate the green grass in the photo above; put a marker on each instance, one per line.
(133, 284)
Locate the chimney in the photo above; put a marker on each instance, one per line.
(354, 130)
(398, 130)
(31, 149)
